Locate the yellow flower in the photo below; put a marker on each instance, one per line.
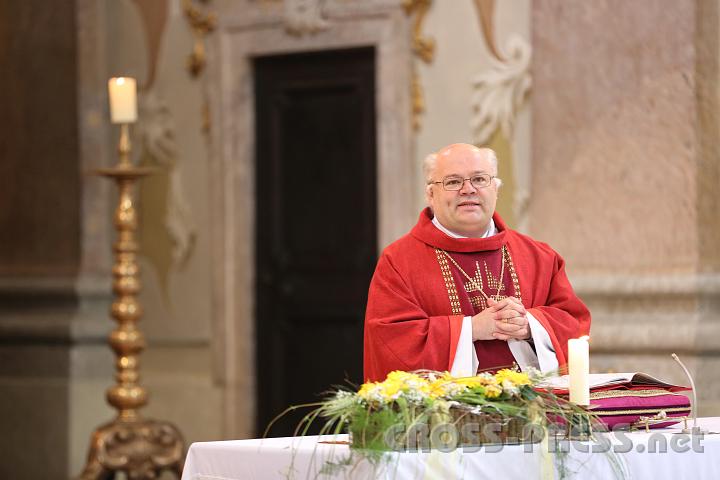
(437, 389)
(407, 381)
(446, 386)
(492, 391)
(390, 389)
(471, 382)
(515, 378)
(400, 376)
(366, 389)
(395, 385)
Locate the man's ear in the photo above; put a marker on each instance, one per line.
(428, 193)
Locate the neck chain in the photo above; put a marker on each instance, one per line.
(474, 283)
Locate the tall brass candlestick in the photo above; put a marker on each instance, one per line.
(141, 448)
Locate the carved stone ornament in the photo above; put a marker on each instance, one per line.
(140, 449)
(304, 16)
(156, 130)
(500, 91)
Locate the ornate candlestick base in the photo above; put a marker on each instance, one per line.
(140, 448)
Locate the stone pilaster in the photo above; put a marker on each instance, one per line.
(625, 175)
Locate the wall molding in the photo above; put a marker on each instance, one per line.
(633, 285)
(635, 314)
(245, 32)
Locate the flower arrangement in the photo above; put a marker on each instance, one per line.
(428, 409)
(422, 410)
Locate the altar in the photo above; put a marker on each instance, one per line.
(658, 454)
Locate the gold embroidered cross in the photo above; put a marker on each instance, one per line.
(492, 281)
(475, 284)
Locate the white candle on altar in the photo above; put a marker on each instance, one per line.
(579, 366)
(123, 99)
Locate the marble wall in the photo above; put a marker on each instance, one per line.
(624, 177)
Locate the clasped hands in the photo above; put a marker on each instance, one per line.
(503, 320)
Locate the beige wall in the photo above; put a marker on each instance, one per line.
(461, 54)
(624, 176)
(616, 133)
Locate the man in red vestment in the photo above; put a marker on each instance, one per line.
(462, 292)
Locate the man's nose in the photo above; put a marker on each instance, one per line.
(467, 186)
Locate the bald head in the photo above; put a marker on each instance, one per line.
(460, 150)
(465, 211)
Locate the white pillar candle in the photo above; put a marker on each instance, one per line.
(123, 99)
(579, 366)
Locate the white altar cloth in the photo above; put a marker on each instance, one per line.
(309, 458)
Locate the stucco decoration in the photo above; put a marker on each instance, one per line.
(501, 91)
(157, 136)
(201, 24)
(424, 49)
(498, 94)
(156, 131)
(304, 16)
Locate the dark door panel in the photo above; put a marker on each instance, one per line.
(316, 223)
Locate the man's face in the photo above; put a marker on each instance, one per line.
(467, 211)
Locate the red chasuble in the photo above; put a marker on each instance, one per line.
(426, 282)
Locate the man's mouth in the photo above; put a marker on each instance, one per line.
(469, 204)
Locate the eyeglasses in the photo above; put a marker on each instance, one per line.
(454, 182)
